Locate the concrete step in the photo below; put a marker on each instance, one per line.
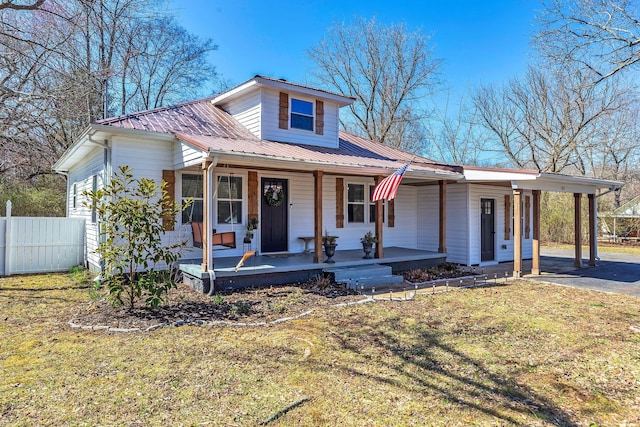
(365, 276)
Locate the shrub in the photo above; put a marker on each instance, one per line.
(137, 263)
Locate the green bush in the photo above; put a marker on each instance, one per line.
(137, 263)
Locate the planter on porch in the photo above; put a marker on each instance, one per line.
(330, 251)
(329, 243)
(367, 244)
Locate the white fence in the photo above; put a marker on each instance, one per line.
(40, 245)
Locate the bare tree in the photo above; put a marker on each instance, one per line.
(548, 119)
(602, 36)
(455, 137)
(27, 5)
(61, 62)
(162, 64)
(388, 69)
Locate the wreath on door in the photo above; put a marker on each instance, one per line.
(274, 196)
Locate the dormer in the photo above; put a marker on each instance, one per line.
(277, 110)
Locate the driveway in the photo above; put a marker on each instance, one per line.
(615, 273)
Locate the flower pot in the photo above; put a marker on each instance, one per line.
(330, 251)
(367, 247)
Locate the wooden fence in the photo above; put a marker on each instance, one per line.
(40, 245)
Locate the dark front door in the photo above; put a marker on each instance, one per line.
(274, 228)
(487, 230)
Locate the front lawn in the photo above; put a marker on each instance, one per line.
(521, 354)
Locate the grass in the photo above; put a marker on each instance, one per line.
(524, 354)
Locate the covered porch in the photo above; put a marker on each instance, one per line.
(273, 269)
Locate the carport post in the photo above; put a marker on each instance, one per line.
(535, 258)
(517, 233)
(577, 199)
(593, 230)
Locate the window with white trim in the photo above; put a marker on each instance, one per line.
(229, 199)
(355, 203)
(372, 206)
(301, 114)
(192, 189)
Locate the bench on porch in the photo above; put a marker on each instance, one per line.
(227, 238)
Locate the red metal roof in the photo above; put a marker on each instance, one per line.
(198, 117)
(210, 128)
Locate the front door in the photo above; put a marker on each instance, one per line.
(274, 228)
(487, 230)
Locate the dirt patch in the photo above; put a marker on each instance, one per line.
(251, 305)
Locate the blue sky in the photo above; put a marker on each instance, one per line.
(479, 41)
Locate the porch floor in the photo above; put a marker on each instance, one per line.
(292, 267)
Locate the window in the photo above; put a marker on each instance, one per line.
(192, 189)
(229, 199)
(372, 206)
(94, 187)
(355, 203)
(74, 202)
(301, 114)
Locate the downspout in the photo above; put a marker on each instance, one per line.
(209, 231)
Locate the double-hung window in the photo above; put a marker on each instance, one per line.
(229, 199)
(301, 114)
(192, 189)
(355, 203)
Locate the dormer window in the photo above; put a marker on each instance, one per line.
(301, 114)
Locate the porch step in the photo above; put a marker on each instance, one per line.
(366, 276)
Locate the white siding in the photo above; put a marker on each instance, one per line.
(403, 234)
(246, 110)
(457, 224)
(428, 227)
(185, 156)
(301, 211)
(271, 131)
(82, 175)
(148, 159)
(503, 248)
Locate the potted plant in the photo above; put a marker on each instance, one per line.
(367, 244)
(252, 225)
(329, 243)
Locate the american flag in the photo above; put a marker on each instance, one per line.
(388, 187)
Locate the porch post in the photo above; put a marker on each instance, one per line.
(379, 252)
(206, 227)
(442, 234)
(317, 216)
(517, 232)
(577, 202)
(593, 230)
(535, 261)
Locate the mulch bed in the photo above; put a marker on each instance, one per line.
(251, 305)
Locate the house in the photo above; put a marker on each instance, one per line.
(272, 150)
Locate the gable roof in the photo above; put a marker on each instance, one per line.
(259, 81)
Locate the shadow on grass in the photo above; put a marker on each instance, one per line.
(433, 366)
